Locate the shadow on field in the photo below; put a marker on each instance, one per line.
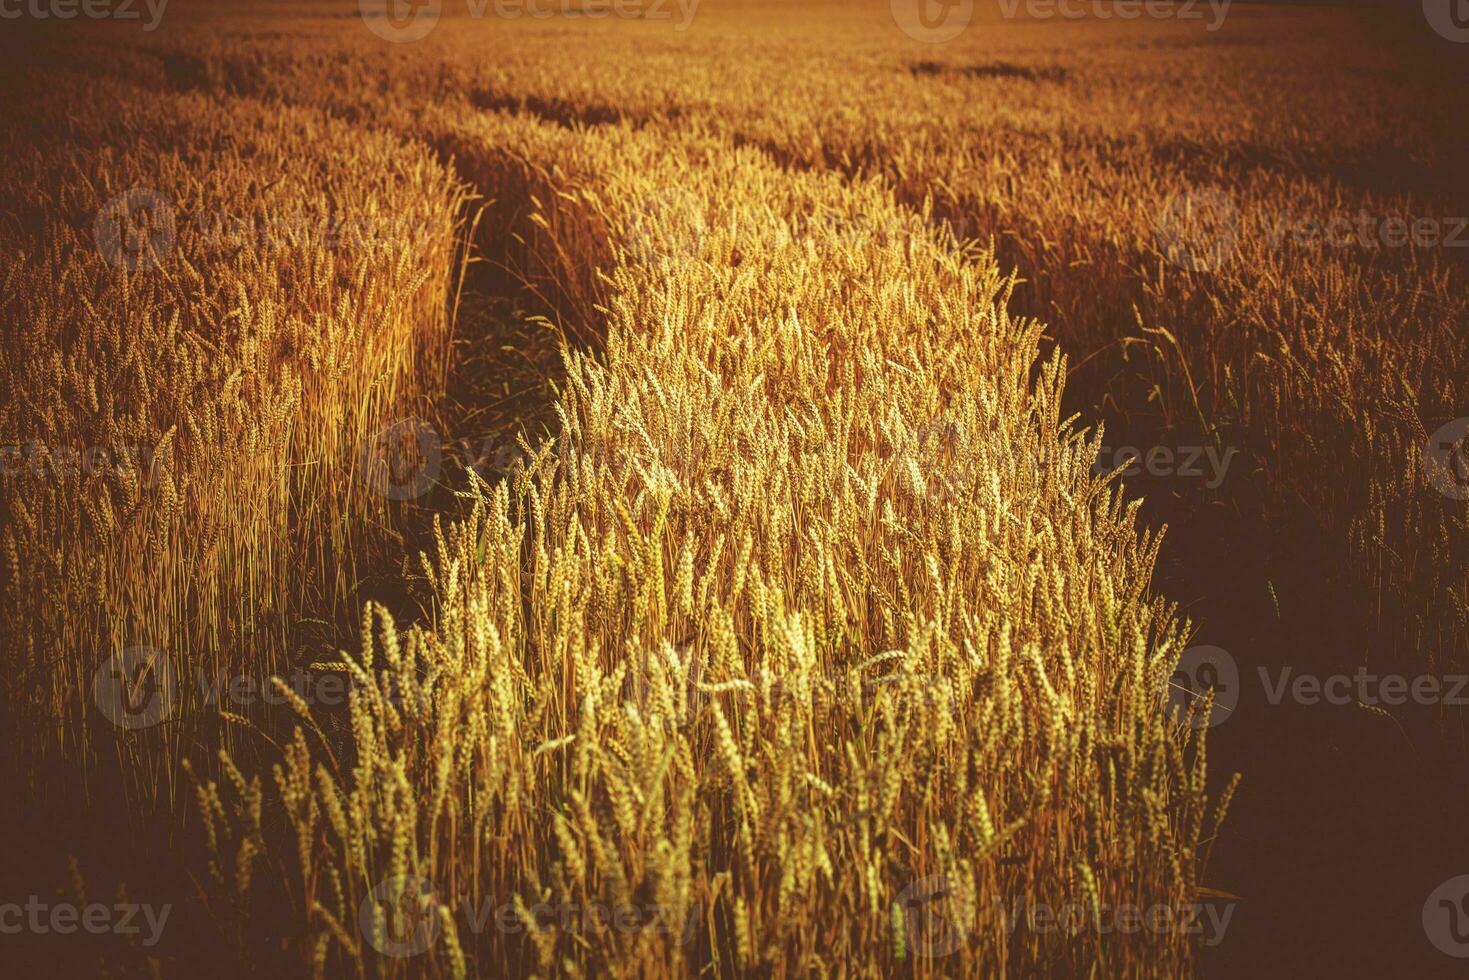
(1348, 817)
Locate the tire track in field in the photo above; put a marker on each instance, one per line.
(1258, 590)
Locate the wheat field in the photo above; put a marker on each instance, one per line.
(734, 488)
